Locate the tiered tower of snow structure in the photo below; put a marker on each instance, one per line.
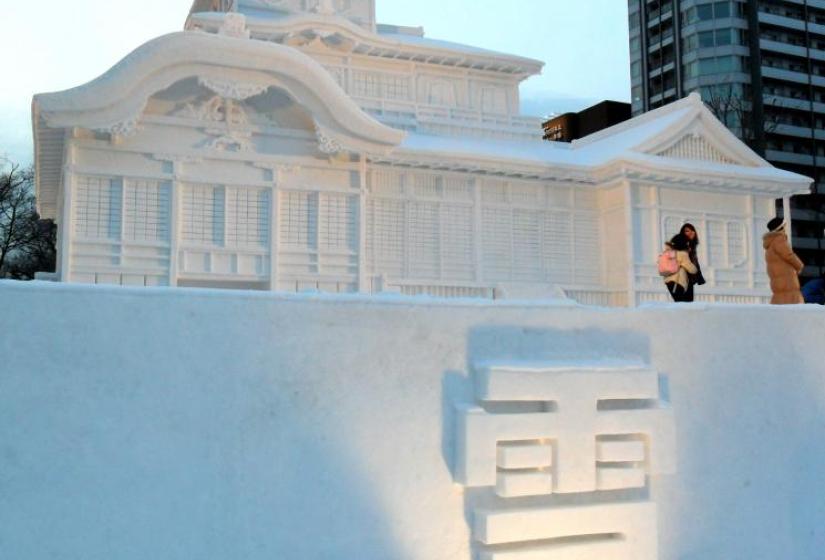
(298, 145)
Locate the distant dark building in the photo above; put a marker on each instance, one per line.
(572, 126)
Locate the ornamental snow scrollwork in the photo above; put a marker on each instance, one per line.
(234, 25)
(230, 89)
(226, 120)
(326, 143)
(126, 128)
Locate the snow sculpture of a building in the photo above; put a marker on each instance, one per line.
(296, 144)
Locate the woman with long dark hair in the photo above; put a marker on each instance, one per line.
(689, 231)
(678, 283)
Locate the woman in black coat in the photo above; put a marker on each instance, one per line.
(689, 231)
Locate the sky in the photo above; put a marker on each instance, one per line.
(51, 45)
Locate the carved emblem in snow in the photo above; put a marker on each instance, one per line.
(327, 144)
(224, 117)
(215, 109)
(547, 429)
(126, 129)
(234, 25)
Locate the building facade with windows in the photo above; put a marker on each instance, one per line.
(760, 66)
(297, 145)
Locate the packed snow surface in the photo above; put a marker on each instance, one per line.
(181, 424)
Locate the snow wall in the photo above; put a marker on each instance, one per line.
(182, 424)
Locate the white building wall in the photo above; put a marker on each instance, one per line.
(730, 251)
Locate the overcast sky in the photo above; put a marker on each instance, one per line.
(51, 45)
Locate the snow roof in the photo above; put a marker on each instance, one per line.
(650, 141)
(284, 27)
(420, 41)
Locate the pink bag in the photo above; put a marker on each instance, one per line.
(667, 263)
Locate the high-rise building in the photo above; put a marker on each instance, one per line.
(760, 66)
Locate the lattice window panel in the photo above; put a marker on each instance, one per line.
(587, 264)
(423, 244)
(299, 219)
(427, 186)
(497, 230)
(98, 207)
(203, 214)
(458, 188)
(557, 246)
(458, 248)
(247, 217)
(737, 244)
(380, 86)
(494, 192)
(147, 209)
(527, 261)
(386, 238)
(527, 195)
(493, 100)
(387, 182)
(670, 227)
(716, 241)
(339, 222)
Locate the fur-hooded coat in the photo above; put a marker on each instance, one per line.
(783, 268)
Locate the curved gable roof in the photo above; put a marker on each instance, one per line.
(116, 100)
(121, 93)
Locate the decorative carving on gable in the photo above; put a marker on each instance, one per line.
(126, 128)
(695, 147)
(327, 144)
(224, 116)
(234, 25)
(231, 89)
(215, 110)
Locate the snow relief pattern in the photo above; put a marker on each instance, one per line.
(563, 454)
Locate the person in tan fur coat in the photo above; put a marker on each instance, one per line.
(783, 265)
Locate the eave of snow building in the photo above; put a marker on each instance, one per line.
(596, 161)
(377, 44)
(120, 95)
(122, 92)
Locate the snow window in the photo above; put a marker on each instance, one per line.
(557, 246)
(737, 244)
(147, 210)
(386, 238)
(527, 261)
(423, 244)
(441, 93)
(299, 219)
(203, 214)
(247, 213)
(380, 86)
(458, 247)
(98, 206)
(497, 231)
(493, 100)
(339, 223)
